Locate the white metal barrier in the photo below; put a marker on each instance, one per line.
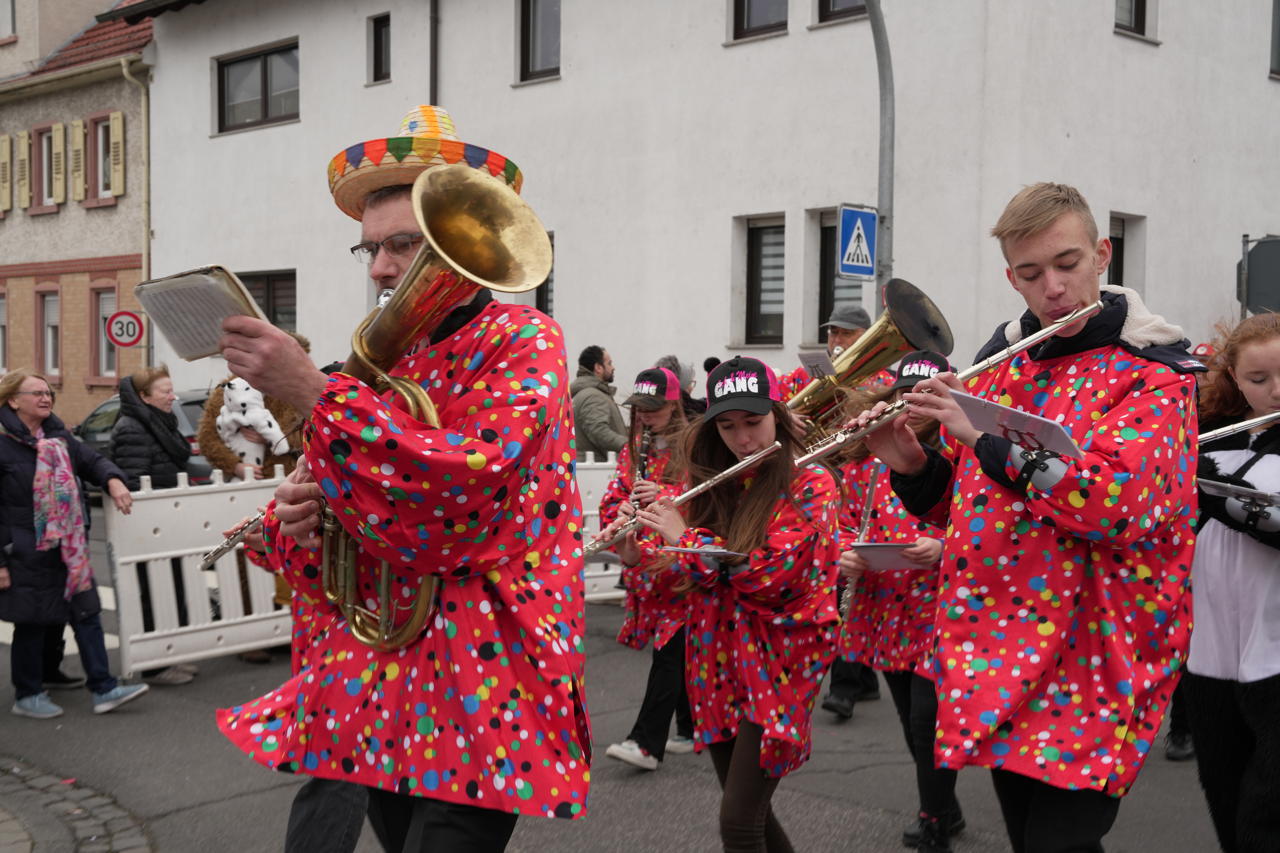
(170, 529)
(602, 572)
(228, 609)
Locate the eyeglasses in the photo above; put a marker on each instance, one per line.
(397, 244)
(48, 394)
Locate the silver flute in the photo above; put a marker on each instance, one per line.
(598, 545)
(1252, 423)
(250, 525)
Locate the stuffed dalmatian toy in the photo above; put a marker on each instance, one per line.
(243, 406)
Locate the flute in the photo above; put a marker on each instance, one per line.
(250, 525)
(598, 545)
(1215, 434)
(837, 440)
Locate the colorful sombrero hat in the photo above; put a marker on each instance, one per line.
(426, 139)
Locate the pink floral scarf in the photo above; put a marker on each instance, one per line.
(59, 515)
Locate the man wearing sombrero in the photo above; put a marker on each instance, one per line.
(482, 717)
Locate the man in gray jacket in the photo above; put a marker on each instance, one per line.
(597, 418)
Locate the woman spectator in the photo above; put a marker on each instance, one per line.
(46, 578)
(145, 441)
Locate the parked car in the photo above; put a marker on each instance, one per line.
(95, 430)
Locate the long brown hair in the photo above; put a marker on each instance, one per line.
(858, 400)
(1220, 396)
(740, 516)
(675, 426)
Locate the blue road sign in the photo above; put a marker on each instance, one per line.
(857, 242)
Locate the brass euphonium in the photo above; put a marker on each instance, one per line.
(910, 322)
(479, 233)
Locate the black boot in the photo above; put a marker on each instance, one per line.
(934, 837)
(952, 822)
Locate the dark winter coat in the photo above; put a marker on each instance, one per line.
(146, 441)
(38, 578)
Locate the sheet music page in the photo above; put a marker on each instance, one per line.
(188, 308)
(884, 556)
(1022, 428)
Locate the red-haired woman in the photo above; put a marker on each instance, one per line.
(1233, 670)
(761, 569)
(656, 611)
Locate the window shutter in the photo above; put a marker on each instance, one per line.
(77, 160)
(59, 133)
(6, 178)
(24, 169)
(117, 153)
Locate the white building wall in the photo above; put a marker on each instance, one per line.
(657, 141)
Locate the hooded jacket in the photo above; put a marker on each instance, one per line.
(597, 420)
(38, 578)
(146, 441)
(1064, 609)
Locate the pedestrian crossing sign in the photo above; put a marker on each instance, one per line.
(857, 243)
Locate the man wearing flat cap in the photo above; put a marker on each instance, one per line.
(481, 717)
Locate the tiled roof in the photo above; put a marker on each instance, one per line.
(100, 41)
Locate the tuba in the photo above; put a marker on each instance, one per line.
(910, 322)
(478, 233)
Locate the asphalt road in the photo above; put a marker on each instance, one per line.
(161, 761)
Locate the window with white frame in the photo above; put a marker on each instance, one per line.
(258, 89)
(51, 333)
(100, 186)
(835, 10)
(1128, 233)
(1275, 38)
(380, 48)
(544, 296)
(1131, 16)
(766, 245)
(105, 306)
(7, 25)
(276, 294)
(758, 17)
(539, 39)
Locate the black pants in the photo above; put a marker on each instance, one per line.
(31, 650)
(747, 824)
(664, 695)
(917, 703)
(851, 679)
(1043, 819)
(326, 815)
(1236, 729)
(1178, 722)
(406, 824)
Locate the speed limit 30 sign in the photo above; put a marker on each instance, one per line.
(124, 329)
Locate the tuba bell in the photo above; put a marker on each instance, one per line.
(910, 322)
(478, 233)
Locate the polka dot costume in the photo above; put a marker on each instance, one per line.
(889, 625)
(1063, 609)
(656, 610)
(487, 708)
(762, 634)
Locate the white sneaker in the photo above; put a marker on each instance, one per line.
(677, 745)
(630, 752)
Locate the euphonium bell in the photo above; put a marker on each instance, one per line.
(910, 322)
(478, 233)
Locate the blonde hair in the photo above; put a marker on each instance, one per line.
(11, 384)
(1037, 207)
(148, 376)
